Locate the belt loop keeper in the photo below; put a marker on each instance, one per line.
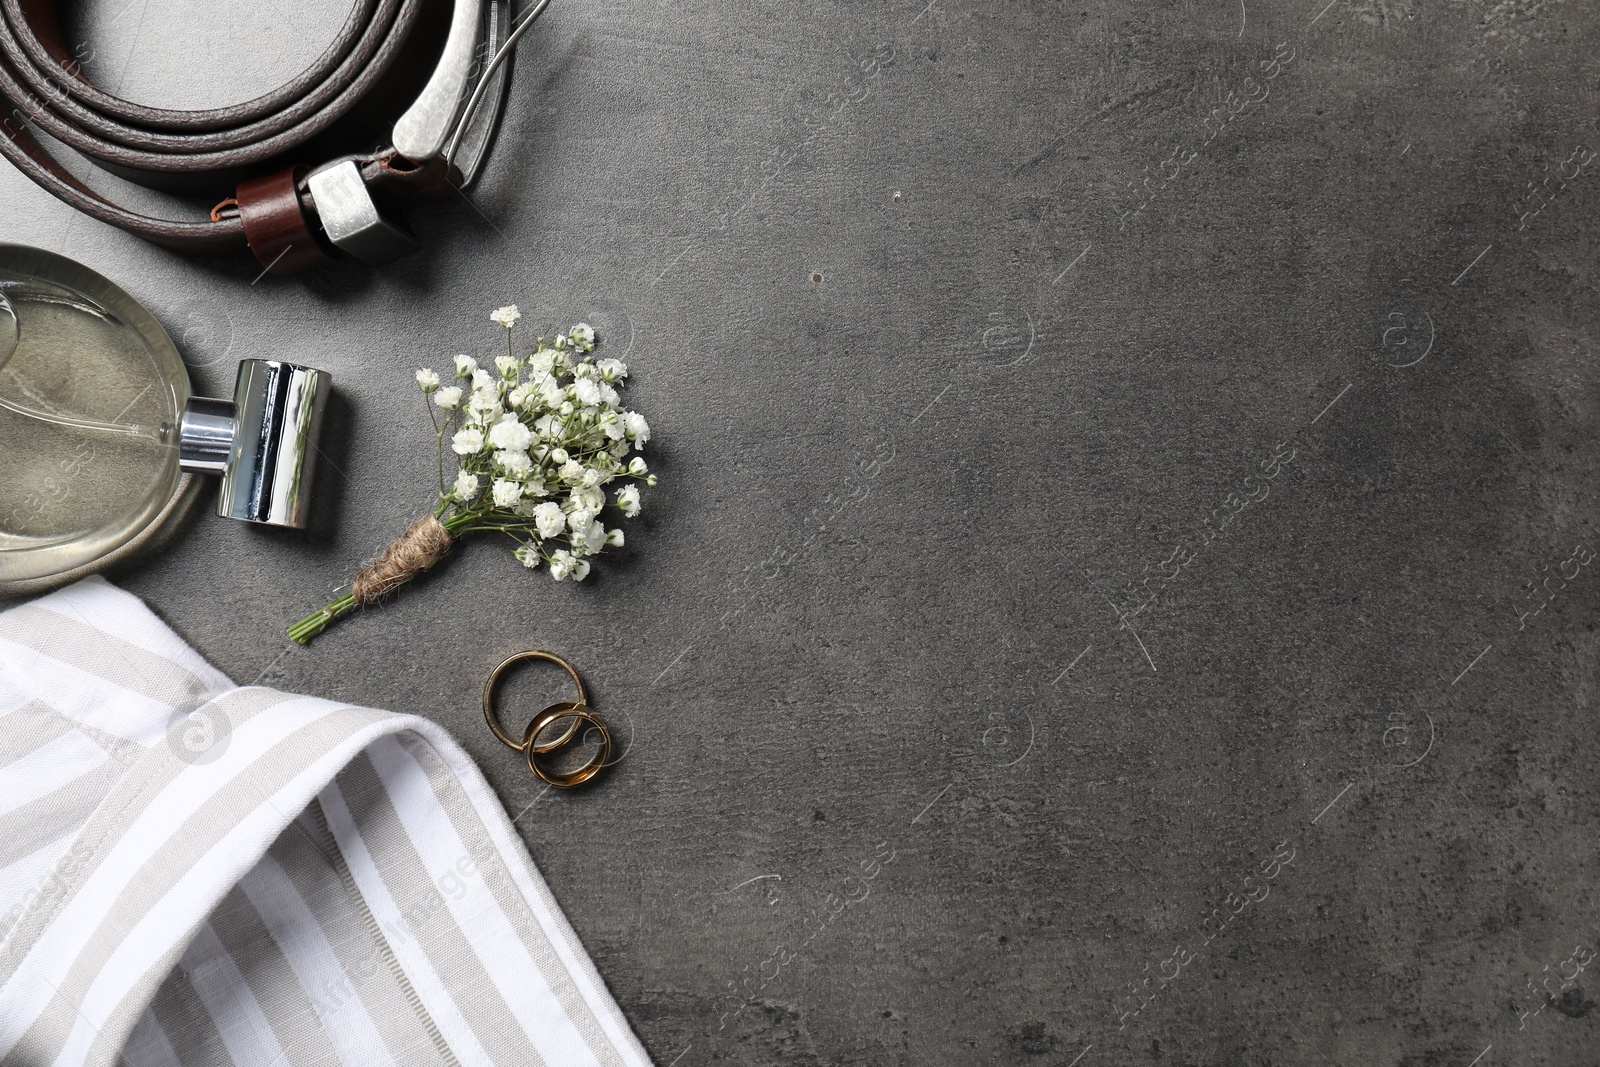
(275, 223)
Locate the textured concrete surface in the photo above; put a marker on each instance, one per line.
(1109, 473)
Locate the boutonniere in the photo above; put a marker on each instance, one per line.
(544, 454)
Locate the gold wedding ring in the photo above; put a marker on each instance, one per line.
(576, 712)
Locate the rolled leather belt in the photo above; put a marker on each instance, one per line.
(265, 157)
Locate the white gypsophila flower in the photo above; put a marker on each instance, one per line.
(527, 555)
(586, 369)
(550, 519)
(467, 441)
(428, 379)
(466, 487)
(506, 316)
(535, 487)
(519, 397)
(485, 400)
(560, 342)
(615, 538)
(583, 335)
(448, 398)
(465, 365)
(579, 521)
(628, 500)
(572, 472)
(588, 497)
(545, 360)
(638, 429)
(509, 433)
(483, 382)
(566, 408)
(610, 424)
(637, 466)
(609, 396)
(506, 493)
(515, 464)
(612, 370)
(594, 537)
(550, 392)
(593, 477)
(561, 564)
(526, 507)
(580, 570)
(558, 455)
(510, 367)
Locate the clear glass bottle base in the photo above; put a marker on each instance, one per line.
(91, 389)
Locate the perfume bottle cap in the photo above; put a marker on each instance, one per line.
(263, 442)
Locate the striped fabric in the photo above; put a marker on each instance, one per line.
(192, 872)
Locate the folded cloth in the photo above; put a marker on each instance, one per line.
(194, 872)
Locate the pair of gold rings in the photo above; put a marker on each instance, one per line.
(576, 712)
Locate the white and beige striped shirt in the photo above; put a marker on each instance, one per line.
(193, 872)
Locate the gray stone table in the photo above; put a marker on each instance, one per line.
(1096, 609)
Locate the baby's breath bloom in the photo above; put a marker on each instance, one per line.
(588, 497)
(506, 316)
(527, 555)
(637, 466)
(583, 336)
(465, 365)
(515, 464)
(561, 564)
(449, 397)
(612, 370)
(550, 519)
(506, 493)
(467, 441)
(466, 487)
(615, 538)
(508, 366)
(572, 471)
(638, 429)
(580, 570)
(628, 500)
(594, 537)
(428, 379)
(586, 391)
(509, 433)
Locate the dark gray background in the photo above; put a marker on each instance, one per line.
(927, 414)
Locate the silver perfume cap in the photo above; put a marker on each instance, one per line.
(263, 442)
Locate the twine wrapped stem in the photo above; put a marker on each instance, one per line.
(425, 543)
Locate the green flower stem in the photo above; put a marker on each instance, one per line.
(303, 631)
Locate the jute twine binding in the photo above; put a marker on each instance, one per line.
(420, 547)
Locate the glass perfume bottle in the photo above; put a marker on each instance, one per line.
(100, 439)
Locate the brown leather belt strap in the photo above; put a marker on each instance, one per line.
(43, 89)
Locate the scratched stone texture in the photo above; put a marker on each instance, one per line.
(1121, 588)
